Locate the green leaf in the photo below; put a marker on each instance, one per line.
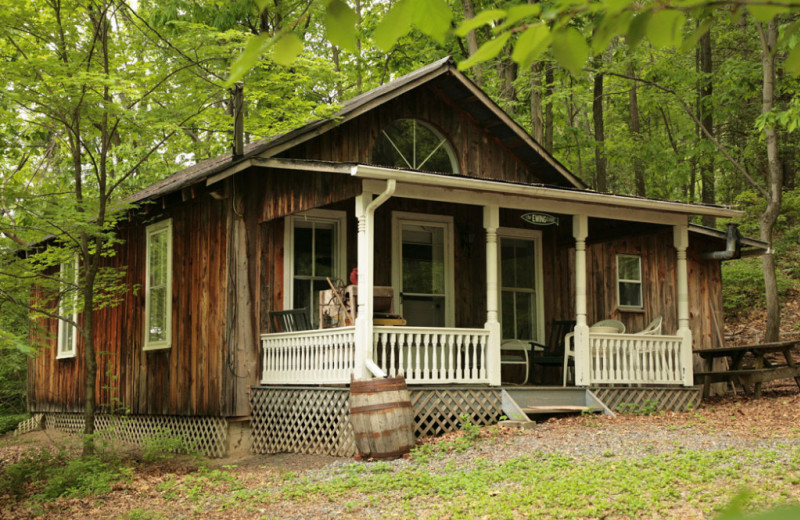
(664, 28)
(792, 63)
(520, 12)
(487, 51)
(608, 28)
(638, 28)
(432, 17)
(616, 6)
(482, 18)
(787, 31)
(340, 25)
(249, 57)
(691, 41)
(765, 13)
(531, 44)
(570, 50)
(287, 48)
(395, 24)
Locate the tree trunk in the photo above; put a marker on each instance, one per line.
(537, 126)
(638, 166)
(472, 41)
(548, 108)
(774, 180)
(600, 178)
(704, 91)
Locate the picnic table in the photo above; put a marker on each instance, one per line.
(760, 371)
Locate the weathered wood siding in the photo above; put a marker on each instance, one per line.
(479, 154)
(659, 287)
(183, 380)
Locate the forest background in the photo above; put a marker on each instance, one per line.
(104, 97)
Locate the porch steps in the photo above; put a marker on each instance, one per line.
(553, 400)
(547, 410)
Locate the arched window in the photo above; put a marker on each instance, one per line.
(414, 145)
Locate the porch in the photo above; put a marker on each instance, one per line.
(433, 356)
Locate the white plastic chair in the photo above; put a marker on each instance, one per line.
(653, 328)
(569, 348)
(517, 346)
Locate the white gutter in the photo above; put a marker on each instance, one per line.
(442, 181)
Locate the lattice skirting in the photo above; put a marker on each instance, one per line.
(317, 420)
(208, 435)
(301, 420)
(438, 410)
(32, 423)
(654, 398)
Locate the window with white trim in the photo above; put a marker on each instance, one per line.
(629, 281)
(158, 286)
(414, 145)
(315, 250)
(68, 308)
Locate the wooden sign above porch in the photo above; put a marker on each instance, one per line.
(540, 219)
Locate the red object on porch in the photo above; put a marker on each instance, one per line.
(354, 276)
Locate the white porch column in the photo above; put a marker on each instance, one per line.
(363, 334)
(491, 221)
(580, 230)
(681, 241)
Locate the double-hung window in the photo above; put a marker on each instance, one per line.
(68, 309)
(316, 248)
(158, 286)
(629, 281)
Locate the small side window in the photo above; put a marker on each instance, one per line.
(158, 286)
(68, 308)
(629, 281)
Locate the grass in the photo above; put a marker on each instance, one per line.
(441, 480)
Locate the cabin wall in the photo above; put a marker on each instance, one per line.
(659, 287)
(187, 379)
(479, 154)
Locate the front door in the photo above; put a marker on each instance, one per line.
(423, 269)
(521, 301)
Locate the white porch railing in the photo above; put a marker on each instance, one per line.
(309, 357)
(635, 358)
(427, 355)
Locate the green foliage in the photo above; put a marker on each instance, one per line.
(650, 407)
(161, 444)
(743, 285)
(49, 474)
(9, 422)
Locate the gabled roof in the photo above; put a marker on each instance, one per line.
(442, 75)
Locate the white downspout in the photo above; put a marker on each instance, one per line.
(365, 213)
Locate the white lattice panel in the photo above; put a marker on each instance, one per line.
(33, 423)
(658, 399)
(437, 410)
(302, 420)
(208, 435)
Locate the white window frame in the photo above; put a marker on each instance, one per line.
(68, 346)
(444, 143)
(640, 281)
(151, 230)
(324, 216)
(422, 219)
(536, 237)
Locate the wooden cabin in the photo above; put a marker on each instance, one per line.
(482, 239)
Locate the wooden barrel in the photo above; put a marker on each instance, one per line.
(382, 417)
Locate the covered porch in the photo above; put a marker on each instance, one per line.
(450, 353)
